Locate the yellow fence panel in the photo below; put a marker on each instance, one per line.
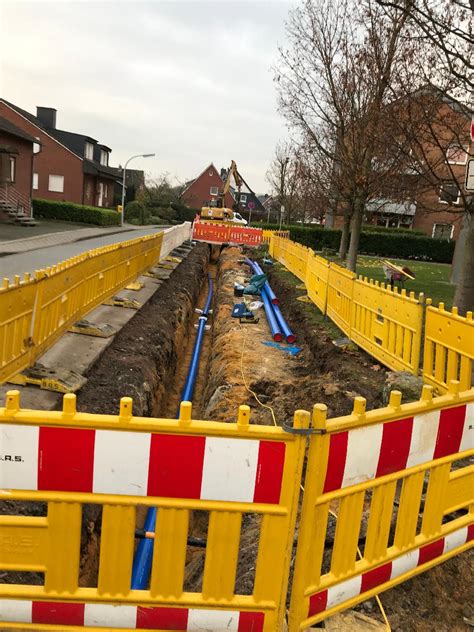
(36, 311)
(387, 324)
(267, 234)
(317, 273)
(340, 295)
(230, 472)
(17, 306)
(371, 469)
(449, 348)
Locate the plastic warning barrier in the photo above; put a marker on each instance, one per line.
(232, 472)
(35, 311)
(317, 272)
(387, 324)
(448, 348)
(266, 234)
(384, 321)
(226, 234)
(370, 469)
(340, 297)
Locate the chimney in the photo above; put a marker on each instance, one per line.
(47, 116)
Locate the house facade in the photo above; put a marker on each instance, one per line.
(205, 189)
(67, 166)
(436, 180)
(16, 169)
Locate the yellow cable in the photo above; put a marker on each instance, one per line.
(245, 381)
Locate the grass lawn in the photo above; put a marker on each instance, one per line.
(431, 278)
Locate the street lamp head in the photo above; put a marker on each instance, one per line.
(148, 155)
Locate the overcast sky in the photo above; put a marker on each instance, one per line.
(189, 81)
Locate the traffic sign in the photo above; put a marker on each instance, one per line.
(251, 205)
(469, 183)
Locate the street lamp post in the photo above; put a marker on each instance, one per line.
(123, 181)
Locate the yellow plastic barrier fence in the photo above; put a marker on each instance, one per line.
(449, 348)
(36, 311)
(387, 324)
(340, 297)
(294, 256)
(317, 272)
(279, 233)
(234, 473)
(366, 475)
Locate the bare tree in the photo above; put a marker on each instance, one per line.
(333, 82)
(436, 120)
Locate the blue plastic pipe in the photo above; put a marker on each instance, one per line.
(268, 292)
(141, 570)
(258, 270)
(271, 318)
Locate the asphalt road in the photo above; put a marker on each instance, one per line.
(36, 259)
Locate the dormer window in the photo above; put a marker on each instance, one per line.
(104, 157)
(88, 151)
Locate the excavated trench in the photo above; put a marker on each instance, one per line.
(149, 359)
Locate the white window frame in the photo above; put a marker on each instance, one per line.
(88, 150)
(443, 224)
(455, 202)
(464, 148)
(35, 183)
(36, 146)
(56, 188)
(13, 169)
(243, 198)
(214, 191)
(104, 158)
(211, 172)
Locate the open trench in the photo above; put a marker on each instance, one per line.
(149, 359)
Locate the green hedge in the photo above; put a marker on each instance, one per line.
(389, 244)
(69, 212)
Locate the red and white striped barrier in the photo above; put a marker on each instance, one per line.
(141, 464)
(129, 617)
(366, 453)
(360, 584)
(225, 234)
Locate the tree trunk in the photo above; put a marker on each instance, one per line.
(355, 236)
(344, 237)
(464, 296)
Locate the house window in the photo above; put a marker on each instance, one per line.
(106, 190)
(211, 173)
(12, 169)
(36, 146)
(243, 198)
(104, 157)
(443, 231)
(35, 181)
(456, 155)
(89, 151)
(449, 193)
(56, 184)
(214, 190)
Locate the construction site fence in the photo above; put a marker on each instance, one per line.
(389, 324)
(369, 477)
(39, 308)
(279, 233)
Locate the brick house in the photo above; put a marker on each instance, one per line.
(16, 169)
(67, 166)
(204, 189)
(433, 204)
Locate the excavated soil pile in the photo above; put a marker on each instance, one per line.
(319, 372)
(142, 360)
